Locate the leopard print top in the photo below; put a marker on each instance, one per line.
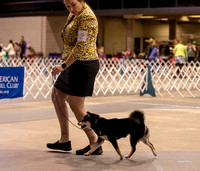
(79, 36)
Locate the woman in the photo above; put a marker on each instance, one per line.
(154, 53)
(10, 49)
(191, 50)
(78, 71)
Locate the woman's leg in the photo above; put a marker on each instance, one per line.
(77, 106)
(59, 101)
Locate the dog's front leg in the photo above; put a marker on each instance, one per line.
(95, 146)
(133, 141)
(115, 145)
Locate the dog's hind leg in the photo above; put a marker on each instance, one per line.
(99, 142)
(113, 141)
(133, 141)
(146, 141)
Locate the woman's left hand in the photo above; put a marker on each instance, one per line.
(57, 69)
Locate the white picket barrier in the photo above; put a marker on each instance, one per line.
(115, 77)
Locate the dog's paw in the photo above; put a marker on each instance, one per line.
(155, 154)
(86, 154)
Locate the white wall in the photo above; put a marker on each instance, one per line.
(114, 35)
(42, 33)
(183, 29)
(14, 28)
(138, 29)
(159, 31)
(54, 27)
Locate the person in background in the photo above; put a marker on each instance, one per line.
(17, 49)
(180, 54)
(149, 48)
(2, 52)
(23, 45)
(10, 49)
(191, 50)
(77, 72)
(136, 52)
(101, 53)
(154, 52)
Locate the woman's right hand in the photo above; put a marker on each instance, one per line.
(57, 69)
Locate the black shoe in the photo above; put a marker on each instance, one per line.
(98, 151)
(60, 146)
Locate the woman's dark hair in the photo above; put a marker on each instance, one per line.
(10, 41)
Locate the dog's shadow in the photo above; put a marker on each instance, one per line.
(107, 161)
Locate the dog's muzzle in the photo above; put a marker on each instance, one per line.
(82, 125)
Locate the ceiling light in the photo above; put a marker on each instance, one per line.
(184, 18)
(194, 16)
(162, 19)
(147, 17)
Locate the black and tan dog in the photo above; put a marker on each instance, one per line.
(113, 129)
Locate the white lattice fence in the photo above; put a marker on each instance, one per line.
(187, 83)
(117, 77)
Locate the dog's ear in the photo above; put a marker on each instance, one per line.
(87, 117)
(88, 113)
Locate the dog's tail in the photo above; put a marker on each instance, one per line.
(137, 116)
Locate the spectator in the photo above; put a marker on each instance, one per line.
(124, 54)
(17, 49)
(10, 49)
(149, 48)
(191, 50)
(137, 52)
(154, 52)
(128, 54)
(101, 53)
(23, 45)
(180, 53)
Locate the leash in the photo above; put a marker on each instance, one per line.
(63, 112)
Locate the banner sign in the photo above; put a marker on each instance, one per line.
(11, 82)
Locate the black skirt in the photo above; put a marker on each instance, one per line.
(78, 79)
